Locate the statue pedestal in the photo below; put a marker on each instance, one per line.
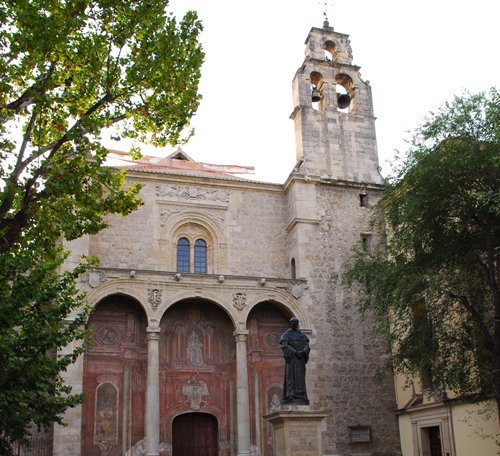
(297, 430)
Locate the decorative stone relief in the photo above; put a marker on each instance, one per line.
(273, 340)
(275, 404)
(295, 289)
(195, 390)
(165, 214)
(241, 326)
(107, 335)
(94, 278)
(154, 297)
(239, 300)
(311, 44)
(191, 193)
(349, 49)
(139, 449)
(274, 394)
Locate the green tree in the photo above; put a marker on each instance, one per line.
(69, 71)
(432, 282)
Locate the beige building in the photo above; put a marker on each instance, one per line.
(444, 425)
(195, 288)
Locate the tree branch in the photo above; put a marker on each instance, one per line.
(476, 317)
(38, 88)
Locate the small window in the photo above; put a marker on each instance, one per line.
(183, 255)
(359, 434)
(200, 257)
(366, 240)
(292, 267)
(363, 200)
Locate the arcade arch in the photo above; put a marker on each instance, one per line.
(197, 367)
(114, 377)
(266, 322)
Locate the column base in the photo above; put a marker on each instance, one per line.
(297, 430)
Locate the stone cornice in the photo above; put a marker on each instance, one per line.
(302, 177)
(208, 181)
(181, 280)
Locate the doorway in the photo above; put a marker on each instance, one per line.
(431, 442)
(195, 434)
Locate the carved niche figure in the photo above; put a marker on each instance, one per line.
(275, 404)
(194, 354)
(295, 346)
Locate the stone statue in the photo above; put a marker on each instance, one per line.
(295, 346)
(194, 354)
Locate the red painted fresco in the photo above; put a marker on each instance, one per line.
(114, 378)
(197, 368)
(266, 323)
(197, 376)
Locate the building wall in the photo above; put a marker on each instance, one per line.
(253, 231)
(476, 429)
(466, 429)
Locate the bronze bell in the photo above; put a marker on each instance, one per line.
(315, 95)
(343, 101)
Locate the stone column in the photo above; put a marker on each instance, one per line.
(242, 399)
(152, 424)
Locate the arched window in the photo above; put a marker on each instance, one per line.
(182, 255)
(345, 93)
(317, 101)
(200, 257)
(292, 267)
(331, 51)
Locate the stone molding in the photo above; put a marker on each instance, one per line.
(208, 287)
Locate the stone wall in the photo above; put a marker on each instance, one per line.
(348, 351)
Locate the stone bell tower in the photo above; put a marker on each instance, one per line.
(333, 115)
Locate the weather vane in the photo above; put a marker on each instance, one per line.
(325, 7)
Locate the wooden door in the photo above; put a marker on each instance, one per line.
(194, 434)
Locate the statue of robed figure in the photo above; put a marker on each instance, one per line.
(295, 346)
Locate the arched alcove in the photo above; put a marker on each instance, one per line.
(197, 365)
(345, 88)
(331, 51)
(114, 377)
(266, 322)
(317, 97)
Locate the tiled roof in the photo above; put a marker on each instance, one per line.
(188, 168)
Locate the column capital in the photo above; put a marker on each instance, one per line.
(153, 333)
(241, 335)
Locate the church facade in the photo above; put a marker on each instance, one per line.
(194, 289)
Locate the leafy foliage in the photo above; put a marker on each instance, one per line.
(69, 71)
(432, 282)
